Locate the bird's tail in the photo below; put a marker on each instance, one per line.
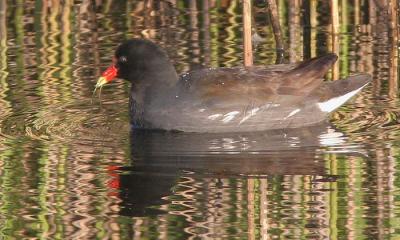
(332, 95)
(307, 76)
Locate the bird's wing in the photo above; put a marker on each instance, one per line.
(258, 84)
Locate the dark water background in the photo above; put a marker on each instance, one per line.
(71, 169)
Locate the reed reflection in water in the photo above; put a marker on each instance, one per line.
(71, 169)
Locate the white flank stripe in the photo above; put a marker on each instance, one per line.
(214, 116)
(292, 113)
(250, 114)
(229, 116)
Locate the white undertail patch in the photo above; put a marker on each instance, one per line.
(334, 103)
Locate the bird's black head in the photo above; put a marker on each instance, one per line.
(138, 60)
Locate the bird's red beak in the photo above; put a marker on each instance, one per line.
(108, 75)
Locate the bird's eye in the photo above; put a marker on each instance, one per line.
(123, 59)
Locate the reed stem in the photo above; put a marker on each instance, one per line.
(276, 28)
(248, 53)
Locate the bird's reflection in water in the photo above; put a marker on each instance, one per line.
(159, 158)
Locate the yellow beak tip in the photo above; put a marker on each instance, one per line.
(101, 82)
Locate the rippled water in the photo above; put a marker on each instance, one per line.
(71, 169)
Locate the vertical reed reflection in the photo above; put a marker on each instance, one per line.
(251, 209)
(5, 105)
(66, 50)
(206, 32)
(193, 47)
(231, 36)
(394, 50)
(264, 209)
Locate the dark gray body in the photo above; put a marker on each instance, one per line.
(239, 99)
(188, 107)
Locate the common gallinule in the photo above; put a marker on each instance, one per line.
(226, 99)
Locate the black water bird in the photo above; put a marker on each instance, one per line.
(236, 99)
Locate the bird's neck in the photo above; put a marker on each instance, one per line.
(152, 80)
(154, 72)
